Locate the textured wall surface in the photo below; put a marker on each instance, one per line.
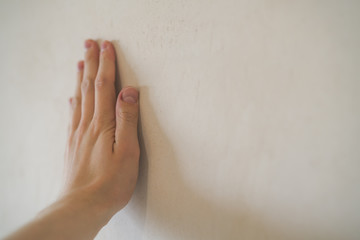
(250, 113)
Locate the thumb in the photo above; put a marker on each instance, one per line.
(127, 113)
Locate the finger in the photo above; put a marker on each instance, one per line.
(71, 116)
(76, 100)
(87, 86)
(127, 112)
(105, 85)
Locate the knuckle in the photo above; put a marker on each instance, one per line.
(100, 82)
(85, 84)
(78, 137)
(75, 102)
(127, 116)
(70, 138)
(96, 126)
(129, 151)
(81, 131)
(100, 125)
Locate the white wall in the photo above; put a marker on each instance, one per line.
(249, 113)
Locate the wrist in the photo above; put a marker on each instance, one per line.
(84, 203)
(79, 212)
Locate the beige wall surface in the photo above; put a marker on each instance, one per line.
(250, 113)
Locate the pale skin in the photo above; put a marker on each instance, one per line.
(102, 153)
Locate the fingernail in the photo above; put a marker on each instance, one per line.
(88, 44)
(80, 65)
(130, 95)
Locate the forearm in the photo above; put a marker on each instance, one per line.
(71, 217)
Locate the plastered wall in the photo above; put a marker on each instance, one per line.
(250, 114)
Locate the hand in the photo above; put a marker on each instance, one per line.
(103, 150)
(102, 154)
